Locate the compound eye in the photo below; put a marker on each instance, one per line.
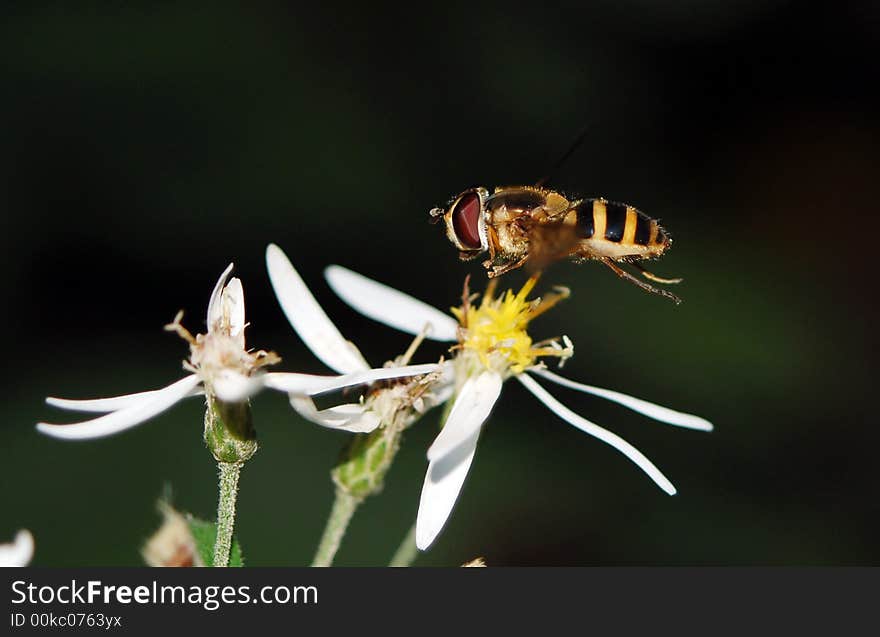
(466, 221)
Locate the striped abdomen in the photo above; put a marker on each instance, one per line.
(616, 230)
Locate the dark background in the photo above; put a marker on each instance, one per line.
(145, 148)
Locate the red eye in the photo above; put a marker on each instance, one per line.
(466, 221)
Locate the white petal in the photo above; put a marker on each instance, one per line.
(310, 384)
(19, 552)
(215, 309)
(308, 319)
(389, 306)
(468, 413)
(663, 414)
(450, 457)
(104, 405)
(443, 483)
(348, 417)
(124, 418)
(233, 306)
(595, 430)
(231, 386)
(297, 384)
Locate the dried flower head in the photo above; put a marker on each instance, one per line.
(173, 543)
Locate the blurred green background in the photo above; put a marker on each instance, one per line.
(145, 148)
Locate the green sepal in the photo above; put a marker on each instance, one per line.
(205, 535)
(365, 461)
(229, 431)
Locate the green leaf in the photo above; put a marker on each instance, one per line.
(205, 534)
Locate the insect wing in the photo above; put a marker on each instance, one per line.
(550, 242)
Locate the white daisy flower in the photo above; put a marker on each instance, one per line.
(219, 365)
(19, 552)
(492, 345)
(382, 405)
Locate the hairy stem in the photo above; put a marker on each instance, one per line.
(344, 506)
(228, 483)
(407, 552)
(367, 458)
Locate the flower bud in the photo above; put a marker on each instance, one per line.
(365, 461)
(229, 431)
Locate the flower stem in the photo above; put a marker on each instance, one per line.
(228, 483)
(367, 458)
(407, 552)
(344, 506)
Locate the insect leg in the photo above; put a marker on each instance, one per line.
(493, 241)
(623, 274)
(498, 270)
(653, 277)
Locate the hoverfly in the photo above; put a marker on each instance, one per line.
(532, 225)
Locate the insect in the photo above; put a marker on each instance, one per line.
(520, 225)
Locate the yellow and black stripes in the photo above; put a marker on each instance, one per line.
(615, 221)
(644, 227)
(586, 225)
(618, 223)
(659, 237)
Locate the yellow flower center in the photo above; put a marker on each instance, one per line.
(496, 330)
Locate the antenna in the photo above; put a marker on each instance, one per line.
(578, 140)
